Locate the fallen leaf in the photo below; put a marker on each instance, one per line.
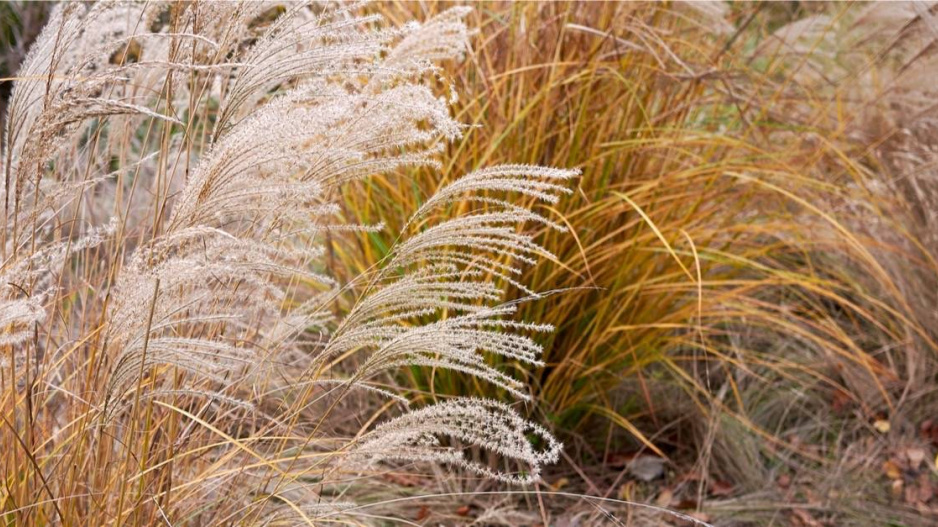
(916, 456)
(559, 484)
(647, 468)
(463, 511)
(881, 426)
(404, 480)
(423, 513)
(896, 488)
(664, 498)
(805, 518)
(721, 488)
(626, 491)
(891, 470)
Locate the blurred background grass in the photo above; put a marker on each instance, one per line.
(745, 302)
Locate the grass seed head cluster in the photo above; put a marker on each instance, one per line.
(177, 346)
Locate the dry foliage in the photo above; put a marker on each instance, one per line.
(241, 240)
(176, 347)
(748, 290)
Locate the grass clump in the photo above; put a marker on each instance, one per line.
(176, 345)
(241, 240)
(744, 289)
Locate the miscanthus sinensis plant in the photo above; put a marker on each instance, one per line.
(176, 346)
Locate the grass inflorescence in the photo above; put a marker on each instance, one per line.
(307, 264)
